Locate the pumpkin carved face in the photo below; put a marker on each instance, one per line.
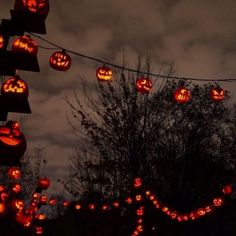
(60, 61)
(143, 85)
(25, 44)
(15, 86)
(137, 182)
(38, 230)
(218, 202)
(24, 219)
(217, 94)
(17, 204)
(182, 95)
(43, 183)
(104, 73)
(1, 41)
(39, 7)
(2, 208)
(16, 188)
(14, 173)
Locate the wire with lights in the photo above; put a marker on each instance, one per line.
(91, 58)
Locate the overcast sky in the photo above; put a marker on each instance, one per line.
(198, 36)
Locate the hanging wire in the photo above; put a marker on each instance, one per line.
(128, 68)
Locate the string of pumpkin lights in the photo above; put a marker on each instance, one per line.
(104, 62)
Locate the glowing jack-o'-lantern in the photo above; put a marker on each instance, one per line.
(52, 201)
(1, 41)
(14, 173)
(91, 206)
(17, 204)
(60, 60)
(143, 85)
(44, 183)
(137, 182)
(116, 204)
(43, 200)
(138, 198)
(2, 208)
(104, 73)
(217, 94)
(140, 211)
(105, 207)
(65, 203)
(12, 142)
(38, 230)
(15, 86)
(201, 212)
(16, 188)
(227, 190)
(218, 201)
(25, 44)
(128, 200)
(78, 206)
(39, 7)
(182, 95)
(4, 196)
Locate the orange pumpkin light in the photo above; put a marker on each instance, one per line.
(38, 230)
(1, 42)
(43, 183)
(105, 207)
(78, 206)
(137, 182)
(52, 201)
(4, 196)
(39, 7)
(17, 204)
(40, 216)
(14, 173)
(16, 188)
(23, 219)
(2, 188)
(217, 94)
(201, 212)
(182, 95)
(227, 190)
(25, 44)
(139, 198)
(218, 201)
(60, 60)
(140, 211)
(15, 87)
(2, 208)
(104, 73)
(128, 200)
(116, 204)
(65, 203)
(91, 206)
(12, 143)
(43, 200)
(143, 85)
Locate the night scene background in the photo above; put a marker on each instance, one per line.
(92, 152)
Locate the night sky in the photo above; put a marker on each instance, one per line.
(198, 36)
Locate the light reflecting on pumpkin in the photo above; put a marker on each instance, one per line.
(143, 85)
(182, 95)
(60, 60)
(104, 73)
(217, 94)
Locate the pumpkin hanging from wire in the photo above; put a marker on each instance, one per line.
(60, 60)
(217, 94)
(143, 85)
(104, 73)
(182, 95)
(1, 41)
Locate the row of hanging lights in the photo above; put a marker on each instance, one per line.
(61, 61)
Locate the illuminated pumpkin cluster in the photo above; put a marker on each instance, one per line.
(143, 85)
(182, 95)
(104, 73)
(40, 7)
(60, 60)
(25, 44)
(15, 86)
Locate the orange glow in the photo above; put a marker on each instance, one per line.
(17, 204)
(140, 211)
(2, 207)
(40, 7)
(218, 202)
(144, 85)
(137, 182)
(2, 188)
(182, 95)
(60, 61)
(116, 204)
(25, 44)
(91, 206)
(38, 230)
(128, 200)
(65, 203)
(52, 201)
(201, 211)
(13, 172)
(40, 216)
(43, 199)
(78, 206)
(43, 183)
(104, 73)
(4, 196)
(138, 198)
(105, 207)
(217, 94)
(1, 41)
(148, 193)
(16, 188)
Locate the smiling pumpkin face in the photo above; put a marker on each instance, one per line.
(217, 94)
(143, 85)
(104, 73)
(60, 61)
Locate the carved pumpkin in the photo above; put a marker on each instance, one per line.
(78, 206)
(43, 200)
(52, 201)
(4, 196)
(104, 73)
(1, 42)
(105, 207)
(2, 188)
(91, 206)
(38, 230)
(138, 198)
(12, 143)
(116, 204)
(140, 211)
(17, 205)
(40, 7)
(16, 188)
(40, 216)
(137, 182)
(128, 200)
(227, 190)
(65, 203)
(60, 60)
(218, 202)
(14, 173)
(143, 85)
(2, 208)
(44, 183)
(217, 94)
(182, 95)
(15, 86)
(201, 212)
(25, 44)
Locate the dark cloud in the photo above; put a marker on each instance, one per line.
(199, 36)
